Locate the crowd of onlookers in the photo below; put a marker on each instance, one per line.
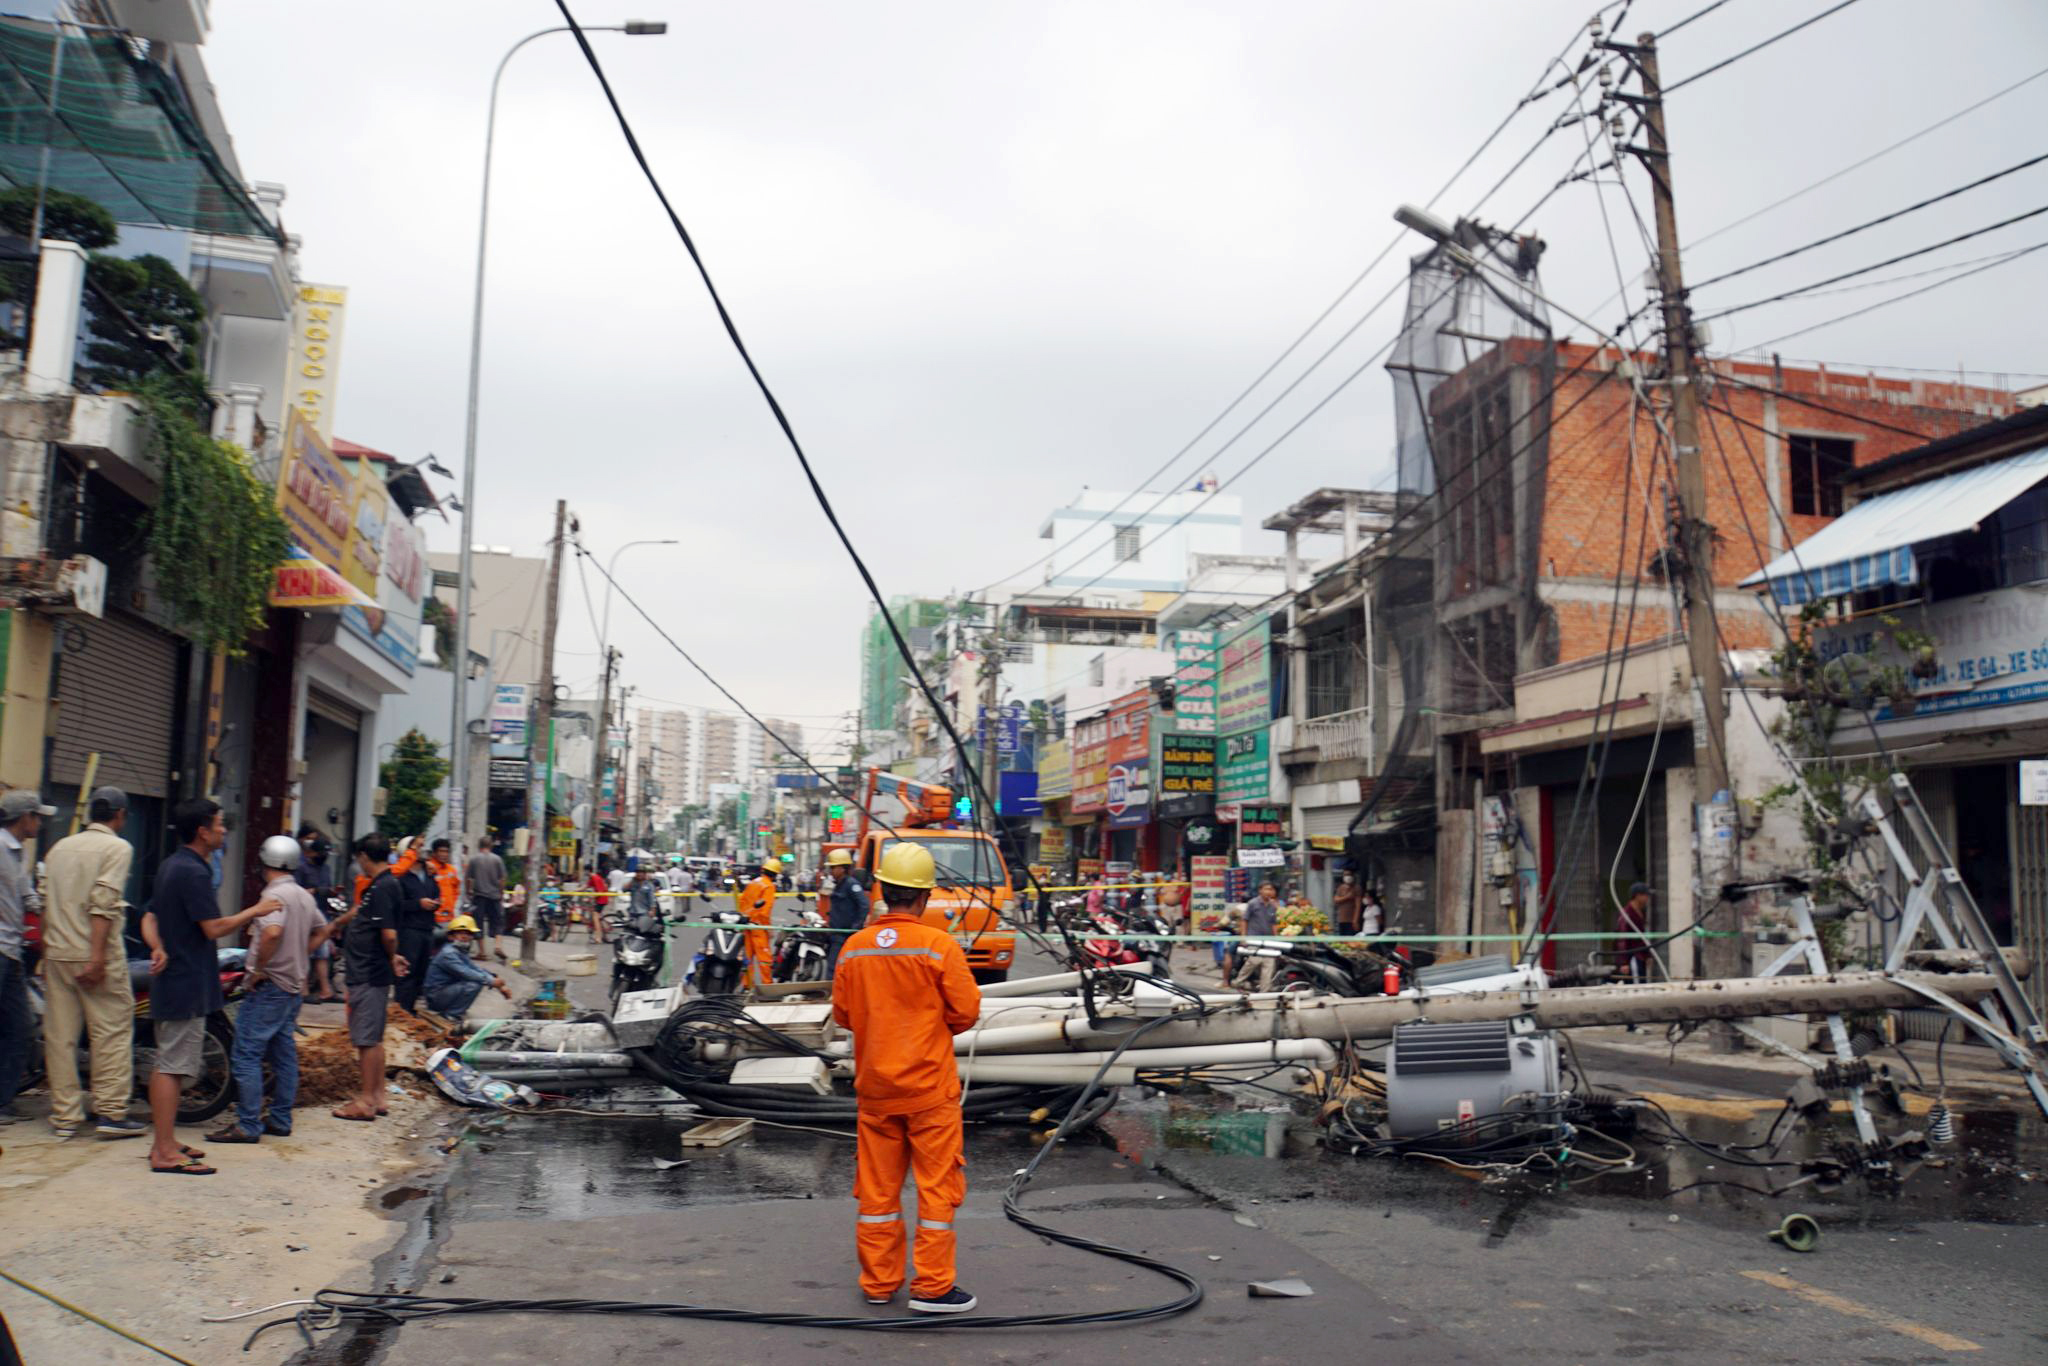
(388, 920)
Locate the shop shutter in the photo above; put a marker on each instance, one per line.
(1327, 820)
(2030, 895)
(117, 695)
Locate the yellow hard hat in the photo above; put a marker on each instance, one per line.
(771, 864)
(462, 922)
(838, 857)
(908, 865)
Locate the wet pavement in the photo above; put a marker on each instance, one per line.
(1409, 1260)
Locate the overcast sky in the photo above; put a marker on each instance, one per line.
(990, 253)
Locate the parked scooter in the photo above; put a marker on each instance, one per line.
(639, 950)
(1154, 954)
(803, 953)
(206, 1094)
(721, 965)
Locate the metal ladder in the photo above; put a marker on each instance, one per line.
(1938, 900)
(1805, 951)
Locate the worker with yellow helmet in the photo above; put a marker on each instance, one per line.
(757, 903)
(903, 990)
(453, 979)
(846, 901)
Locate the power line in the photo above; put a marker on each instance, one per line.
(1830, 178)
(1880, 265)
(1696, 14)
(1860, 227)
(1754, 48)
(1900, 298)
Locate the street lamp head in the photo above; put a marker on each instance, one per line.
(646, 28)
(1424, 222)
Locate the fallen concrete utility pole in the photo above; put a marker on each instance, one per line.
(1300, 1016)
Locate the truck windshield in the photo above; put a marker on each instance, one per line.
(960, 862)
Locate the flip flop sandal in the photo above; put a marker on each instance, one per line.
(355, 1119)
(192, 1153)
(186, 1168)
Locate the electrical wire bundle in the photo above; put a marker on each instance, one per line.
(1499, 1145)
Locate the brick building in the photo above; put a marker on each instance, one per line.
(1558, 654)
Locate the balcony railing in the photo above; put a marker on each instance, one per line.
(1340, 735)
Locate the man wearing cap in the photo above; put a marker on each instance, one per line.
(904, 991)
(1631, 925)
(453, 981)
(85, 969)
(21, 819)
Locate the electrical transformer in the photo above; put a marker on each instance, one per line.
(1441, 1078)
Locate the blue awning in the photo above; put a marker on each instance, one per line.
(1871, 544)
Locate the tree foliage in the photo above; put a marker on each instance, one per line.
(410, 777)
(145, 319)
(67, 217)
(215, 534)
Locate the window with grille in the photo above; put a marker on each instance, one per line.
(1336, 671)
(1820, 466)
(1126, 543)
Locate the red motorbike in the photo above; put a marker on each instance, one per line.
(1154, 954)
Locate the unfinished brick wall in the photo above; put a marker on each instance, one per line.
(1590, 484)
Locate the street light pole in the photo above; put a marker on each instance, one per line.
(458, 734)
(607, 658)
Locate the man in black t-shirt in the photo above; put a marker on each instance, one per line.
(370, 945)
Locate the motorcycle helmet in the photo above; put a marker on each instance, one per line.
(280, 851)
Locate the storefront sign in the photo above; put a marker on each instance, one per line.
(1010, 718)
(508, 773)
(1245, 682)
(1244, 766)
(1130, 719)
(1261, 858)
(1205, 896)
(316, 493)
(1091, 765)
(1129, 797)
(1052, 844)
(1328, 844)
(399, 570)
(1194, 682)
(1990, 650)
(314, 366)
(1203, 834)
(1187, 772)
(561, 838)
(508, 714)
(1088, 868)
(1261, 825)
(2034, 782)
(1055, 771)
(302, 581)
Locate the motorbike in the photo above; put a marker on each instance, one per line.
(553, 922)
(1155, 954)
(803, 953)
(206, 1094)
(1321, 967)
(721, 964)
(639, 950)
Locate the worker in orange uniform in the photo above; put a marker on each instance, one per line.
(447, 881)
(757, 903)
(904, 990)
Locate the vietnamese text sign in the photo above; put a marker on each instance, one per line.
(1243, 767)
(2034, 782)
(1052, 844)
(1244, 681)
(1194, 681)
(508, 773)
(1205, 898)
(1091, 764)
(507, 716)
(1009, 727)
(1261, 858)
(1990, 650)
(1130, 718)
(400, 578)
(316, 493)
(1257, 825)
(314, 364)
(1055, 771)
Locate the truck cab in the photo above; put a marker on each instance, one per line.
(973, 894)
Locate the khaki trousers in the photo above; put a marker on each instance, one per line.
(106, 1015)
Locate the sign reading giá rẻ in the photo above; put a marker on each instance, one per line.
(313, 368)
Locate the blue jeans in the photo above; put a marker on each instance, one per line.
(454, 999)
(14, 1027)
(263, 1033)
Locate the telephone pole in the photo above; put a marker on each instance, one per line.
(991, 703)
(540, 746)
(1712, 800)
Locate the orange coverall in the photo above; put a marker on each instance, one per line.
(757, 903)
(904, 990)
(449, 883)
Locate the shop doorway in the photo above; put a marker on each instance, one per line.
(333, 754)
(1983, 846)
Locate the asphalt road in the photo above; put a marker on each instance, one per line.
(1408, 1262)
